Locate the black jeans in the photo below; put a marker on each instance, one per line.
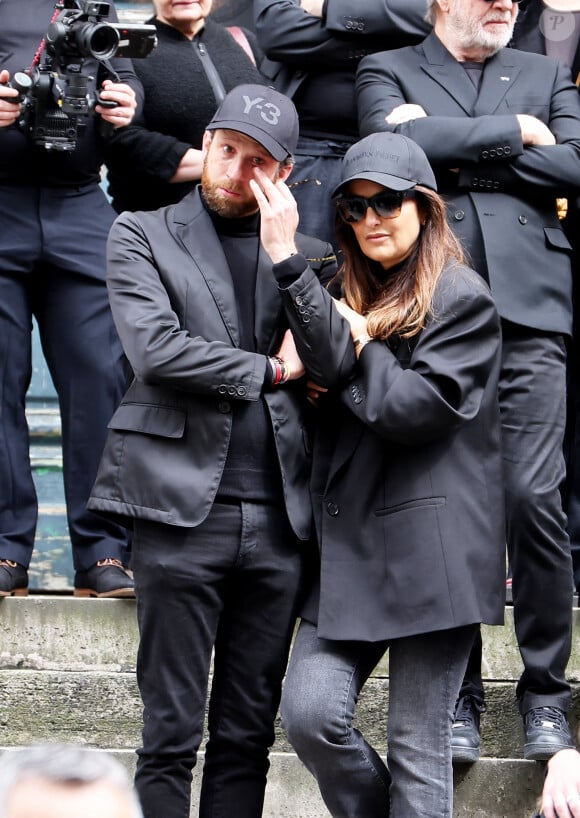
(532, 401)
(231, 583)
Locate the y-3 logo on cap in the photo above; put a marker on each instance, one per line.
(269, 112)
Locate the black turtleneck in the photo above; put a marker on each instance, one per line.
(251, 471)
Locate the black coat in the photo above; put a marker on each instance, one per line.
(407, 476)
(503, 200)
(174, 305)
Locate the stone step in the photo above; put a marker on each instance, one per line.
(491, 788)
(67, 672)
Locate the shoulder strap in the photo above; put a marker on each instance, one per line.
(241, 39)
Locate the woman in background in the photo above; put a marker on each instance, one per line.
(196, 62)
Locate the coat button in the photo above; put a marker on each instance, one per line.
(484, 154)
(222, 389)
(459, 215)
(500, 151)
(523, 219)
(332, 509)
(224, 407)
(507, 150)
(242, 391)
(232, 391)
(299, 300)
(492, 153)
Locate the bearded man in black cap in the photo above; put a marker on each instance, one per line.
(207, 459)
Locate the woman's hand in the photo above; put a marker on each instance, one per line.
(358, 323)
(314, 392)
(124, 96)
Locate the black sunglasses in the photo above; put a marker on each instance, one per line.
(387, 204)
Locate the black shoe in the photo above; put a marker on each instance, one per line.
(106, 578)
(465, 739)
(13, 579)
(547, 731)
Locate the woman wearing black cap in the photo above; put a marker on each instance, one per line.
(406, 486)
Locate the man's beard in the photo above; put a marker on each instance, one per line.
(227, 208)
(472, 35)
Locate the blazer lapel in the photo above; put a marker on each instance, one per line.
(499, 76)
(444, 69)
(194, 230)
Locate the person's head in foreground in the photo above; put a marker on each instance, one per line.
(64, 781)
(255, 126)
(392, 228)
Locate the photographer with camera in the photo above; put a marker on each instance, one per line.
(54, 223)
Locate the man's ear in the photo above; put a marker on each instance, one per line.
(206, 141)
(285, 171)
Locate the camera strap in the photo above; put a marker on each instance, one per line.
(41, 47)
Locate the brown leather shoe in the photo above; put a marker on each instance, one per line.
(107, 578)
(13, 579)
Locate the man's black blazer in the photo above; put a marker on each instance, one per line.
(174, 306)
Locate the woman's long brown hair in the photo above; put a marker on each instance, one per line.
(400, 302)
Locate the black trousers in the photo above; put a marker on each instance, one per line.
(52, 267)
(532, 396)
(231, 584)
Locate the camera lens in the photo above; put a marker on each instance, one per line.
(100, 40)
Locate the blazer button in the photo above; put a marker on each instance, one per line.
(224, 407)
(500, 151)
(222, 389)
(523, 219)
(507, 150)
(242, 391)
(332, 509)
(492, 153)
(459, 215)
(485, 154)
(232, 391)
(306, 319)
(299, 300)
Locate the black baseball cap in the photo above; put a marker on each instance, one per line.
(389, 159)
(266, 115)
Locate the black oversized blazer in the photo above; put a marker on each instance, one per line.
(174, 306)
(407, 475)
(502, 200)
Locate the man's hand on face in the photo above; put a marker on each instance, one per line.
(9, 109)
(279, 216)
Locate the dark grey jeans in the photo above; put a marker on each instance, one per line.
(322, 687)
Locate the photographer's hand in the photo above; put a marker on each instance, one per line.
(9, 110)
(126, 101)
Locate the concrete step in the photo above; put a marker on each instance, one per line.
(67, 673)
(489, 789)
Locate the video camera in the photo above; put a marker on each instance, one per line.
(59, 91)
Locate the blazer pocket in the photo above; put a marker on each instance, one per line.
(161, 421)
(410, 505)
(557, 238)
